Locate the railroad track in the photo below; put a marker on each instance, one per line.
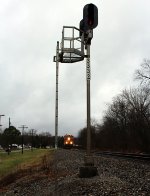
(125, 155)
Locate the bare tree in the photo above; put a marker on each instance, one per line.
(143, 74)
(126, 123)
(139, 101)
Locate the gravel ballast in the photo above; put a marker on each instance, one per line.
(115, 177)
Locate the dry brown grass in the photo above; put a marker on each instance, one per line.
(31, 171)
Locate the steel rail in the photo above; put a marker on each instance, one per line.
(125, 155)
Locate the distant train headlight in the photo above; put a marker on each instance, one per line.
(70, 142)
(66, 142)
(68, 138)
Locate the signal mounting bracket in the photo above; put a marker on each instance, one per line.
(72, 45)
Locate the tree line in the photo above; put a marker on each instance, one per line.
(126, 121)
(12, 136)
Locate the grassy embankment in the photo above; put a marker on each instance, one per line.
(16, 161)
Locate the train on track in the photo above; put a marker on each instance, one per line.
(68, 141)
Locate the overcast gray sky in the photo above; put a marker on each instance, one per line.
(29, 30)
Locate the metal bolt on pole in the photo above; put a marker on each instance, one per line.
(56, 102)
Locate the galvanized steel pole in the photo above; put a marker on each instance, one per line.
(56, 101)
(88, 77)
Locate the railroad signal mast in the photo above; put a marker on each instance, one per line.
(69, 53)
(87, 24)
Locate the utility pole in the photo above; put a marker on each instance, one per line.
(32, 130)
(0, 122)
(56, 101)
(23, 127)
(9, 122)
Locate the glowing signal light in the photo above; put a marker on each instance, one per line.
(90, 22)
